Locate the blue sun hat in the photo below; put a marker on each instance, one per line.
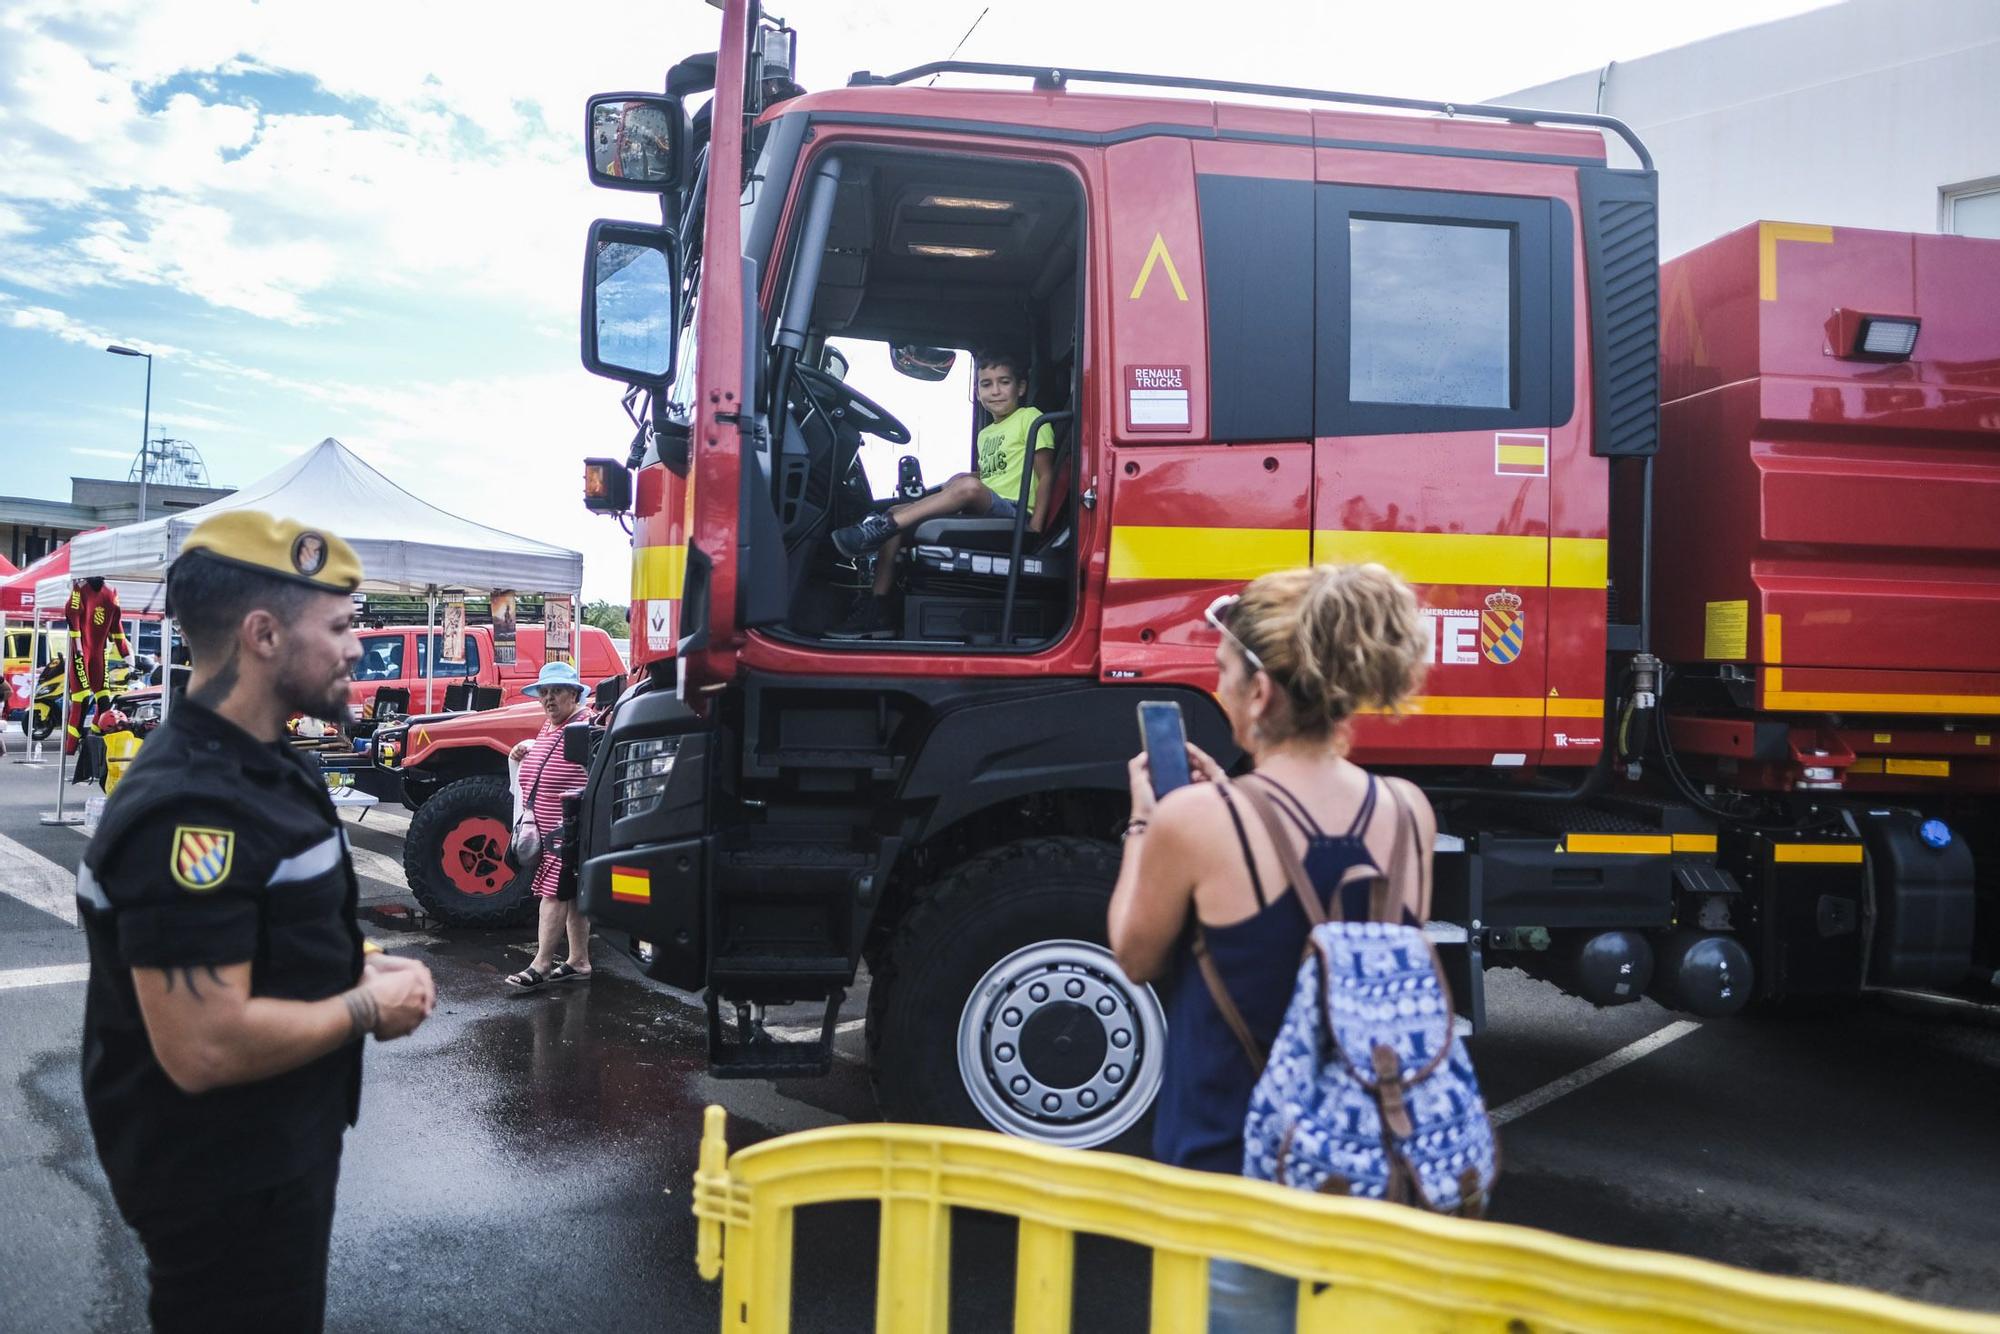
(555, 674)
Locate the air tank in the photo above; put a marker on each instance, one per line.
(1703, 973)
(1612, 967)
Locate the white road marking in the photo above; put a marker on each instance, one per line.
(47, 976)
(1596, 1070)
(810, 1032)
(36, 881)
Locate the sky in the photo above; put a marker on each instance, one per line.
(366, 220)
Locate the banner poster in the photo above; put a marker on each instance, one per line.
(503, 626)
(556, 615)
(451, 647)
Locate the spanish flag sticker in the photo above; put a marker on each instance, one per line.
(1520, 455)
(200, 858)
(631, 884)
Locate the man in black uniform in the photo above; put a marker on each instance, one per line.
(228, 991)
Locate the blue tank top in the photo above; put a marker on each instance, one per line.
(1205, 1093)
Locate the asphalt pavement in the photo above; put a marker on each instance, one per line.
(525, 1161)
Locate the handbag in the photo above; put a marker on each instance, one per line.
(524, 846)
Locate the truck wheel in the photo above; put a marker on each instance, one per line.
(455, 855)
(1000, 1007)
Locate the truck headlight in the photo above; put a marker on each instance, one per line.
(639, 774)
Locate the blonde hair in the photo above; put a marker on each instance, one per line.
(1334, 639)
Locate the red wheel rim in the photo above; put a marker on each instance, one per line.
(474, 856)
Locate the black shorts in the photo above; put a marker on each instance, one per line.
(249, 1262)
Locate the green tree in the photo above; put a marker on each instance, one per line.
(609, 617)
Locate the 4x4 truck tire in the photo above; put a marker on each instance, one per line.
(455, 856)
(999, 1006)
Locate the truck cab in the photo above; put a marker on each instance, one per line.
(1259, 336)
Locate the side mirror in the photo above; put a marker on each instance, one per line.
(834, 362)
(631, 302)
(635, 141)
(922, 363)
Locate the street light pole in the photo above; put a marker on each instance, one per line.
(145, 423)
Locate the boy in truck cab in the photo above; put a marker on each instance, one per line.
(1002, 453)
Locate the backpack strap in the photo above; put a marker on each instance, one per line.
(1409, 841)
(1218, 991)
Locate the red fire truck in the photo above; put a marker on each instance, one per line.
(1711, 555)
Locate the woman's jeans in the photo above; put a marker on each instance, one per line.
(1246, 1300)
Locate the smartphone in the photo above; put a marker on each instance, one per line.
(1165, 739)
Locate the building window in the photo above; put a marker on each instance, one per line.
(1972, 210)
(1431, 310)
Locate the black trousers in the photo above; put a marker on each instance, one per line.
(250, 1262)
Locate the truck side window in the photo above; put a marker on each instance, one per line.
(1437, 310)
(381, 658)
(1431, 313)
(470, 667)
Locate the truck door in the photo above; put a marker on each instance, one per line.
(1443, 386)
(1209, 476)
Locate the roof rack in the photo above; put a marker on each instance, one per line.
(1052, 78)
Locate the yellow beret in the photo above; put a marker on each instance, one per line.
(282, 548)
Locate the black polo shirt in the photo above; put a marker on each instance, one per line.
(216, 849)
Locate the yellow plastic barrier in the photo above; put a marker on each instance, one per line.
(119, 748)
(1376, 1267)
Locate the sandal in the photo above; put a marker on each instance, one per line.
(562, 972)
(527, 979)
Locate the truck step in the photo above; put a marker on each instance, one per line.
(785, 968)
(762, 1056)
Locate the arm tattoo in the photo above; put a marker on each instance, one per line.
(362, 1013)
(187, 976)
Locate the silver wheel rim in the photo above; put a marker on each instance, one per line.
(1068, 984)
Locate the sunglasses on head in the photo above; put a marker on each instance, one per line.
(1220, 608)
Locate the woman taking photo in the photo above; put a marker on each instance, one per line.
(545, 776)
(1301, 652)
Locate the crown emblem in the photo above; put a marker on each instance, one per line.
(1503, 601)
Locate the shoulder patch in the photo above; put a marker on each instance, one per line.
(200, 858)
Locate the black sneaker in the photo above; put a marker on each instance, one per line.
(861, 538)
(867, 619)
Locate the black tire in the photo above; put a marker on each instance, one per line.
(453, 851)
(40, 731)
(1038, 908)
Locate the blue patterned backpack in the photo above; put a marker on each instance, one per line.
(1367, 1091)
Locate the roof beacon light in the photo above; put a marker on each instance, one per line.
(954, 251)
(967, 202)
(1865, 336)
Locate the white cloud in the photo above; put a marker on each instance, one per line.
(93, 453)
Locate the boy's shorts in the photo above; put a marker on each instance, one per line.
(1001, 508)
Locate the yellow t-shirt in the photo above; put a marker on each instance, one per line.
(1003, 453)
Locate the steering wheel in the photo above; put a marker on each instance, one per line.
(870, 417)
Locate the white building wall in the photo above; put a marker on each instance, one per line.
(1858, 115)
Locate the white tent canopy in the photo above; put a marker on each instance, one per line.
(135, 598)
(405, 544)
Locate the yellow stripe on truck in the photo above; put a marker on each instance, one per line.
(1148, 552)
(1642, 845)
(1831, 853)
(658, 572)
(1477, 559)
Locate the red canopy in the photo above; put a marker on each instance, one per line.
(17, 595)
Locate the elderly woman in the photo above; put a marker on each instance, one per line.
(545, 776)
